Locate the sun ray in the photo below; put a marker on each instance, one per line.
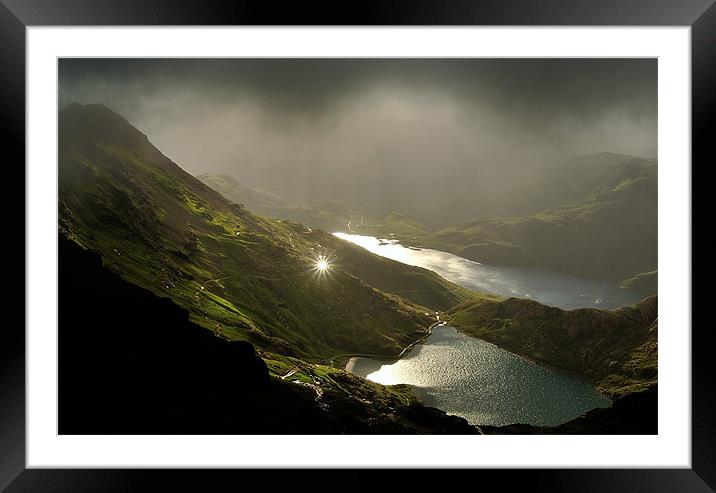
(322, 265)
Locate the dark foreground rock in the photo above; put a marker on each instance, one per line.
(635, 414)
(133, 363)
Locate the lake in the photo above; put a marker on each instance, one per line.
(484, 384)
(475, 379)
(549, 288)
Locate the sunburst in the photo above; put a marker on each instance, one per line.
(322, 265)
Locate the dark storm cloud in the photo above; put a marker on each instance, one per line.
(380, 131)
(311, 85)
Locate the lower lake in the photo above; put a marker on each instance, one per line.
(482, 383)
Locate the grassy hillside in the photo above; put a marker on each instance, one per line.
(395, 224)
(243, 276)
(329, 216)
(617, 349)
(414, 284)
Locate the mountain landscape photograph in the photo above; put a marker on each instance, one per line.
(357, 246)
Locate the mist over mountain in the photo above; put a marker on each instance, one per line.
(440, 140)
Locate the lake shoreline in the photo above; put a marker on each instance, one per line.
(395, 358)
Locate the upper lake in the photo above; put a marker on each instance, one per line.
(549, 288)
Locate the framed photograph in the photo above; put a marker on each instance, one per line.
(423, 237)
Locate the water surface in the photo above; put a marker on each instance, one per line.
(549, 288)
(484, 384)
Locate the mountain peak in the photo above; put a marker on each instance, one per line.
(88, 109)
(95, 123)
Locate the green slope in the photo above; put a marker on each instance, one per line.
(395, 224)
(617, 349)
(241, 275)
(329, 216)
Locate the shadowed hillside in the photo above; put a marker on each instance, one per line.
(243, 276)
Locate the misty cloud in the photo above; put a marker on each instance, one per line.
(374, 130)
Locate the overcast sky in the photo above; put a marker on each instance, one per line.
(306, 123)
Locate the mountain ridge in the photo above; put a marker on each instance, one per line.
(236, 273)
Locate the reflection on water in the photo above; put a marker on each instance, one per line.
(549, 288)
(474, 379)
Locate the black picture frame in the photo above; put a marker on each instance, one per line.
(16, 15)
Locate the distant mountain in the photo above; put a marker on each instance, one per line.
(607, 231)
(584, 177)
(240, 275)
(616, 349)
(645, 282)
(328, 216)
(604, 227)
(394, 224)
